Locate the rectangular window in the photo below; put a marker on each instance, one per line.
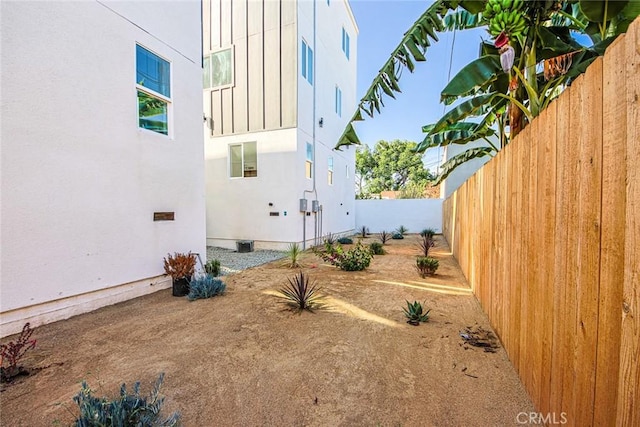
(243, 160)
(338, 103)
(308, 167)
(330, 171)
(153, 84)
(218, 69)
(347, 171)
(306, 59)
(345, 42)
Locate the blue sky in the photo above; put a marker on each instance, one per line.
(382, 24)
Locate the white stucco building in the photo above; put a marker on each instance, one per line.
(101, 134)
(279, 88)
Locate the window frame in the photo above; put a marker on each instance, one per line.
(167, 100)
(308, 164)
(242, 160)
(338, 101)
(232, 62)
(330, 170)
(346, 43)
(306, 61)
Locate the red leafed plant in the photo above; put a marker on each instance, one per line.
(12, 352)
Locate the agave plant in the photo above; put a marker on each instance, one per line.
(415, 313)
(300, 294)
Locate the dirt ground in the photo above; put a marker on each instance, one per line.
(244, 359)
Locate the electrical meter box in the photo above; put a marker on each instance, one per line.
(315, 206)
(303, 205)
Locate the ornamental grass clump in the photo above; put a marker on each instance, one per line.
(293, 254)
(376, 248)
(128, 409)
(205, 286)
(426, 266)
(425, 244)
(300, 294)
(429, 232)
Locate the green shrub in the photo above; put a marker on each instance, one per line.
(376, 248)
(402, 230)
(355, 259)
(126, 410)
(205, 286)
(293, 253)
(429, 232)
(397, 236)
(426, 266)
(300, 294)
(414, 313)
(345, 241)
(384, 236)
(212, 267)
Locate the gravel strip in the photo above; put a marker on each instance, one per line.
(233, 262)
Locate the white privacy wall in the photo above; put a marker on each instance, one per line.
(388, 215)
(80, 180)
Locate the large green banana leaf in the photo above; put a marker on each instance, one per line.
(465, 156)
(477, 74)
(454, 136)
(475, 106)
(602, 11)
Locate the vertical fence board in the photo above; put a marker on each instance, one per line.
(612, 233)
(572, 163)
(629, 383)
(546, 223)
(523, 268)
(560, 333)
(515, 276)
(589, 202)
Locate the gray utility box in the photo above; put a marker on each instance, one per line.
(244, 246)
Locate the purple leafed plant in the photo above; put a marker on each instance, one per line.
(12, 352)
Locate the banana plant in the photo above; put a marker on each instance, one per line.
(545, 53)
(510, 97)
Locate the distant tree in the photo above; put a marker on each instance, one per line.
(390, 166)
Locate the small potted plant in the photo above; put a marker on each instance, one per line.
(180, 267)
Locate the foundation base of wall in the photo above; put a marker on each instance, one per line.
(270, 245)
(12, 321)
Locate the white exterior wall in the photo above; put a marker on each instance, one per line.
(388, 215)
(80, 180)
(462, 172)
(238, 209)
(332, 68)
